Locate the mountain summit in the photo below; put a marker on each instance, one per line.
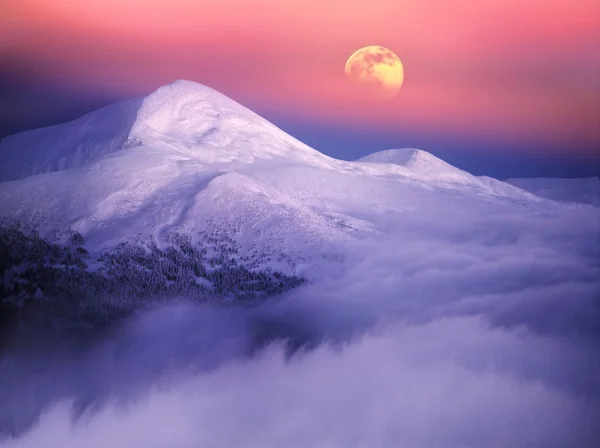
(209, 126)
(184, 116)
(419, 162)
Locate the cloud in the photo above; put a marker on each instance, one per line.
(477, 330)
(449, 382)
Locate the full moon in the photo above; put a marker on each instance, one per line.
(376, 71)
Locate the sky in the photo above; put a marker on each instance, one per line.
(505, 88)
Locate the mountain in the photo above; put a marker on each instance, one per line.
(149, 165)
(185, 155)
(584, 190)
(185, 191)
(429, 168)
(421, 163)
(178, 253)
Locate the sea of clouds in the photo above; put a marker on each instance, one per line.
(466, 331)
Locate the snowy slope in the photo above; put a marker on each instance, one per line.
(584, 190)
(433, 170)
(420, 162)
(69, 145)
(187, 156)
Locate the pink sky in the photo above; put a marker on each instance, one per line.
(527, 67)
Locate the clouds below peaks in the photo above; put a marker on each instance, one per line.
(467, 332)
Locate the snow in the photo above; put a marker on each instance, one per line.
(70, 145)
(186, 155)
(585, 190)
(433, 170)
(186, 117)
(202, 123)
(421, 163)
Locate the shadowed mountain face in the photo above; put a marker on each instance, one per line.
(396, 300)
(70, 145)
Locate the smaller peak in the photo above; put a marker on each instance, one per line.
(400, 156)
(422, 163)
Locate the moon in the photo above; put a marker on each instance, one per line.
(376, 71)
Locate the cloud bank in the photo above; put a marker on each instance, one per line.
(461, 332)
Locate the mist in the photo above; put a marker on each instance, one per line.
(463, 331)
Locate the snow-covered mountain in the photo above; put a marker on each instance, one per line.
(181, 117)
(186, 155)
(409, 281)
(421, 163)
(425, 166)
(173, 160)
(189, 165)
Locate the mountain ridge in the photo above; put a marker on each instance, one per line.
(191, 155)
(183, 115)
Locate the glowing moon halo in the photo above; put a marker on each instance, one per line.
(377, 71)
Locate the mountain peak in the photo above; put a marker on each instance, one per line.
(184, 116)
(419, 162)
(184, 108)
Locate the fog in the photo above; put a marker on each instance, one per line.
(454, 332)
